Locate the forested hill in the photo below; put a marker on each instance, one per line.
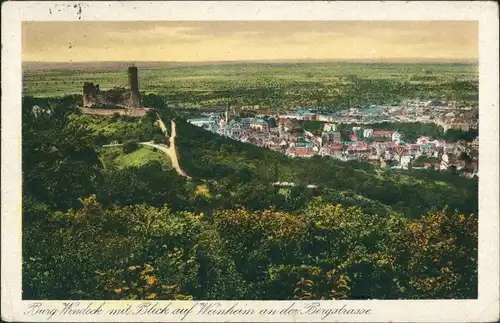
(142, 232)
(234, 164)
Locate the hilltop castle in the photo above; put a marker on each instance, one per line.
(117, 97)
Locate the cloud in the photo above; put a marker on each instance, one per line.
(216, 40)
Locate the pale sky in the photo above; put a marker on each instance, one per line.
(250, 40)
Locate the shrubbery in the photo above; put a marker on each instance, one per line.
(324, 252)
(130, 146)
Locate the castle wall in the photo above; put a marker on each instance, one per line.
(129, 98)
(90, 92)
(110, 112)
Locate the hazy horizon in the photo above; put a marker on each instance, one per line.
(113, 65)
(340, 60)
(243, 41)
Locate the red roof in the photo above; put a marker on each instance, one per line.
(383, 132)
(333, 146)
(333, 149)
(361, 145)
(302, 151)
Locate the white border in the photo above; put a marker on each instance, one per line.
(486, 308)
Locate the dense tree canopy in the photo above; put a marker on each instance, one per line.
(326, 251)
(228, 233)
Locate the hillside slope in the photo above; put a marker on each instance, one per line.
(213, 157)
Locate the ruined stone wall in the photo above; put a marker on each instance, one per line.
(93, 96)
(116, 97)
(141, 112)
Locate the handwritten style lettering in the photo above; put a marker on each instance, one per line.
(74, 309)
(38, 309)
(315, 309)
(153, 308)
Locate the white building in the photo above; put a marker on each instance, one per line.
(444, 162)
(201, 122)
(368, 133)
(222, 123)
(405, 161)
(329, 127)
(396, 136)
(325, 118)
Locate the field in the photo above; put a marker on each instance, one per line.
(115, 157)
(321, 84)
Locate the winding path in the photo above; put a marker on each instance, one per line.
(170, 151)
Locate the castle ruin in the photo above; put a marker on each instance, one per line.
(116, 97)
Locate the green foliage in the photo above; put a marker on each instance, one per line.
(136, 282)
(151, 183)
(422, 160)
(60, 163)
(130, 146)
(326, 252)
(454, 135)
(105, 129)
(115, 157)
(313, 126)
(85, 254)
(161, 139)
(440, 256)
(410, 130)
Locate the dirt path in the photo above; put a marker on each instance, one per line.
(161, 124)
(170, 151)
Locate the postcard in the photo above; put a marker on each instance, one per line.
(249, 161)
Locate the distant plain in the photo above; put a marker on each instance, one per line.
(300, 83)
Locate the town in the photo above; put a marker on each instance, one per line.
(386, 148)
